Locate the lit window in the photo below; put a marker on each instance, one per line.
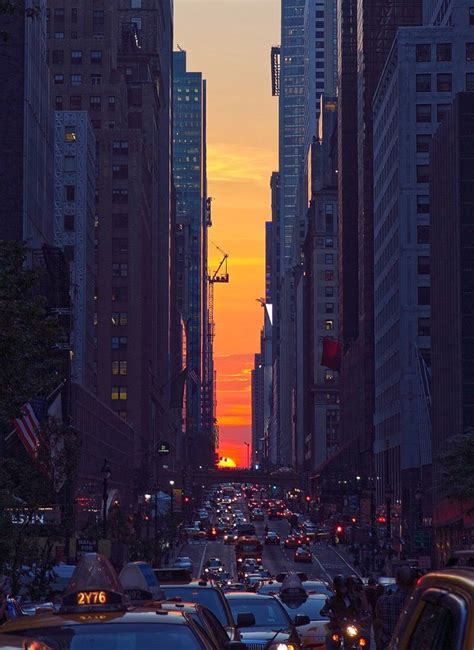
(328, 325)
(70, 134)
(58, 79)
(329, 276)
(135, 4)
(76, 57)
(76, 79)
(119, 368)
(96, 56)
(119, 393)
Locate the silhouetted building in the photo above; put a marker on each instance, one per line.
(189, 170)
(26, 130)
(452, 298)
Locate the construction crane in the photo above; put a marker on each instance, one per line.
(221, 276)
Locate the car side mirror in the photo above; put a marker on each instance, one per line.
(302, 619)
(246, 619)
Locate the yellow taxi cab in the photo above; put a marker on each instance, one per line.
(439, 614)
(8, 642)
(94, 613)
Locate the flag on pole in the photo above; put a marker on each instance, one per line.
(332, 353)
(177, 390)
(27, 425)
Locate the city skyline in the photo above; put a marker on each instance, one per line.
(242, 142)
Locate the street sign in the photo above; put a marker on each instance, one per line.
(85, 545)
(163, 448)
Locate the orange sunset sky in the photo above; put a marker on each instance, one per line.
(230, 41)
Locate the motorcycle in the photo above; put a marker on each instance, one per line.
(349, 635)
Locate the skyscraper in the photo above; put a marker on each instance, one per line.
(26, 131)
(189, 172)
(110, 62)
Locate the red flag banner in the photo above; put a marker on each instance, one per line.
(332, 354)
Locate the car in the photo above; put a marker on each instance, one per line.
(317, 587)
(257, 515)
(213, 563)
(272, 538)
(262, 619)
(291, 542)
(439, 613)
(208, 594)
(195, 533)
(183, 562)
(244, 529)
(95, 613)
(212, 533)
(253, 581)
(233, 586)
(303, 554)
(231, 537)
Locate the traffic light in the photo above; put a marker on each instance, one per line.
(381, 519)
(339, 529)
(354, 520)
(308, 498)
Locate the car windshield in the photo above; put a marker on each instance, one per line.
(268, 612)
(309, 607)
(113, 636)
(208, 597)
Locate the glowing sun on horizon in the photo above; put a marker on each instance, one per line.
(226, 462)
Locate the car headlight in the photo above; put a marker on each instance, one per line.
(351, 630)
(282, 646)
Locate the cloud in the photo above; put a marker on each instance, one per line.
(233, 163)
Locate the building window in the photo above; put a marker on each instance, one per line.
(319, 242)
(69, 222)
(443, 52)
(94, 103)
(329, 258)
(119, 342)
(119, 318)
(69, 163)
(423, 113)
(76, 57)
(328, 325)
(423, 265)
(471, 15)
(423, 295)
(96, 56)
(470, 81)
(423, 83)
(329, 276)
(135, 4)
(119, 270)
(119, 172)
(329, 308)
(119, 245)
(76, 79)
(329, 223)
(98, 22)
(120, 147)
(111, 102)
(329, 292)
(329, 242)
(119, 196)
(120, 220)
(423, 141)
(59, 36)
(422, 174)
(58, 79)
(75, 102)
(69, 134)
(58, 103)
(59, 14)
(444, 82)
(119, 393)
(73, 15)
(119, 368)
(329, 376)
(423, 52)
(70, 192)
(119, 294)
(469, 51)
(441, 111)
(136, 22)
(96, 79)
(58, 56)
(422, 204)
(423, 234)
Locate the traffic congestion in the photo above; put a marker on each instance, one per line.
(250, 572)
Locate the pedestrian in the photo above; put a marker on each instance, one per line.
(266, 529)
(371, 594)
(389, 607)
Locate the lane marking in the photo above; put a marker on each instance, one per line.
(202, 560)
(354, 571)
(322, 567)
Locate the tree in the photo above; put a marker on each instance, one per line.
(458, 467)
(28, 333)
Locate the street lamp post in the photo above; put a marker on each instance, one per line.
(247, 444)
(388, 503)
(106, 473)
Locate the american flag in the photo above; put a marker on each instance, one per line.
(27, 426)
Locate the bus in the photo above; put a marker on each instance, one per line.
(248, 548)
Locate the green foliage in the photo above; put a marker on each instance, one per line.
(458, 467)
(28, 333)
